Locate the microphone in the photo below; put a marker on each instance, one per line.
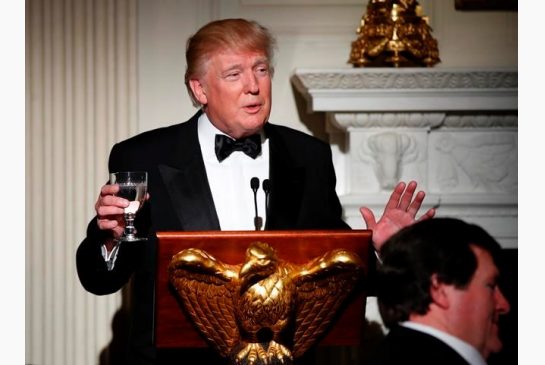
(254, 184)
(267, 189)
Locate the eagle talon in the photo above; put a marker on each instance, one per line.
(252, 354)
(279, 352)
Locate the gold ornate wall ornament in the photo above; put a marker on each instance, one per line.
(394, 33)
(265, 310)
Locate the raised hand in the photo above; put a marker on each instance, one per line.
(400, 211)
(109, 209)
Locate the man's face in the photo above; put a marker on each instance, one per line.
(236, 91)
(476, 309)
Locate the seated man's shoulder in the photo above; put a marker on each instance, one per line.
(403, 345)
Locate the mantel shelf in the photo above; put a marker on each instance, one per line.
(407, 89)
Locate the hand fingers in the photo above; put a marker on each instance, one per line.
(118, 231)
(416, 204)
(109, 209)
(109, 204)
(105, 223)
(109, 189)
(429, 214)
(407, 196)
(393, 202)
(117, 226)
(107, 197)
(368, 217)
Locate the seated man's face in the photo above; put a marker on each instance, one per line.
(476, 309)
(236, 91)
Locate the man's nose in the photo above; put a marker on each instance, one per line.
(251, 85)
(502, 305)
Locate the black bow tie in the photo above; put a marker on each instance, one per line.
(225, 145)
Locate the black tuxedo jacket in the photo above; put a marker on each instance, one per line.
(302, 197)
(404, 345)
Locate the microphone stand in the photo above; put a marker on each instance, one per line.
(267, 189)
(254, 184)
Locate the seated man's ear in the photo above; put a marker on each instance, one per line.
(439, 292)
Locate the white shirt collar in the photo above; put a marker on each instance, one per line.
(229, 180)
(207, 136)
(468, 352)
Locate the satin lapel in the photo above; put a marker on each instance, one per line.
(186, 182)
(287, 182)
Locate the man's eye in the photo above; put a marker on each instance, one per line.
(232, 75)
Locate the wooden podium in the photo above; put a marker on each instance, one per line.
(174, 330)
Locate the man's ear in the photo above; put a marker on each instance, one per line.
(439, 292)
(199, 91)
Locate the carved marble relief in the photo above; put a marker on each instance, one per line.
(480, 162)
(383, 159)
(388, 151)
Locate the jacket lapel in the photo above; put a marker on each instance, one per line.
(287, 181)
(184, 176)
(186, 182)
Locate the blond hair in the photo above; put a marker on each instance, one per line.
(233, 34)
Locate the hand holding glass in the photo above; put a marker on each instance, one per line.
(133, 186)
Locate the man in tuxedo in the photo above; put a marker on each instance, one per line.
(438, 293)
(199, 173)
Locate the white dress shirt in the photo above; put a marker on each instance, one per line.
(230, 180)
(468, 352)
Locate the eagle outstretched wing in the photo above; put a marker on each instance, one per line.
(206, 287)
(322, 286)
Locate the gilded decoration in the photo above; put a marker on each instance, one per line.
(265, 310)
(394, 33)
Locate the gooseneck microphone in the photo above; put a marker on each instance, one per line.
(267, 189)
(254, 184)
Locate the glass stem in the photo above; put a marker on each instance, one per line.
(129, 225)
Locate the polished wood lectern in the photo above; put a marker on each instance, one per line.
(174, 330)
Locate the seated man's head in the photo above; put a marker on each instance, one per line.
(229, 72)
(444, 273)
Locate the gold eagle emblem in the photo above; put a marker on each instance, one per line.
(265, 310)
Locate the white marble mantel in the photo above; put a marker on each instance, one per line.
(452, 130)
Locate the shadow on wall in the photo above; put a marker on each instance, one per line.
(315, 122)
(114, 353)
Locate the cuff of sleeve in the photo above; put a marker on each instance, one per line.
(110, 257)
(378, 257)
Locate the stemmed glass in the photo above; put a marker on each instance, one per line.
(133, 186)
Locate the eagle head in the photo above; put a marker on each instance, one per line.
(261, 261)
